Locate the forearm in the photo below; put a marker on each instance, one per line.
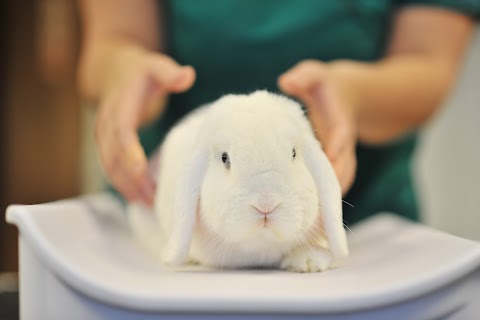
(398, 93)
(394, 95)
(113, 29)
(97, 68)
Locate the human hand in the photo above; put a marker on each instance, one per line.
(136, 88)
(331, 111)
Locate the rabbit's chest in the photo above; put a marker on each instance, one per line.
(211, 250)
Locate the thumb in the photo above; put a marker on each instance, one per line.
(302, 78)
(169, 75)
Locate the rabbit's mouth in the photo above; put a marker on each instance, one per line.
(265, 220)
(267, 230)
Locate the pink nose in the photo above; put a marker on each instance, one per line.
(266, 203)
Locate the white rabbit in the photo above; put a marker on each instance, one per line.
(242, 183)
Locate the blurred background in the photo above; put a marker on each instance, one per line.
(41, 121)
(46, 139)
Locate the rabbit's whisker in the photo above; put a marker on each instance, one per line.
(230, 250)
(215, 245)
(220, 249)
(226, 247)
(212, 247)
(222, 254)
(315, 238)
(318, 228)
(351, 231)
(204, 236)
(319, 240)
(194, 261)
(351, 205)
(308, 245)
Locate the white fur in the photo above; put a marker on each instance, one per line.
(207, 213)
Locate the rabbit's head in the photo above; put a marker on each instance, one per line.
(257, 186)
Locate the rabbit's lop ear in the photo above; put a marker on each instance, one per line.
(329, 197)
(181, 219)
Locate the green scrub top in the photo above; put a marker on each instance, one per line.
(238, 46)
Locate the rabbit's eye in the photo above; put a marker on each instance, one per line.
(226, 160)
(294, 153)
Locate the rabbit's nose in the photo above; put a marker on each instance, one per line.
(266, 203)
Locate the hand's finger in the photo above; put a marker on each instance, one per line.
(324, 128)
(184, 80)
(131, 190)
(337, 139)
(134, 165)
(330, 118)
(335, 119)
(120, 182)
(110, 165)
(171, 76)
(136, 162)
(148, 192)
(136, 187)
(306, 81)
(345, 169)
(113, 162)
(127, 106)
(122, 156)
(300, 79)
(121, 114)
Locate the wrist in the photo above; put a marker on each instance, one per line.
(121, 59)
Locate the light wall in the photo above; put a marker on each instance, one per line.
(448, 160)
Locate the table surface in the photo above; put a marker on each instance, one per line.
(87, 244)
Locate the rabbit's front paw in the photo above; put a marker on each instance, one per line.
(307, 260)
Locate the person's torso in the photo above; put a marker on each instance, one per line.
(239, 46)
